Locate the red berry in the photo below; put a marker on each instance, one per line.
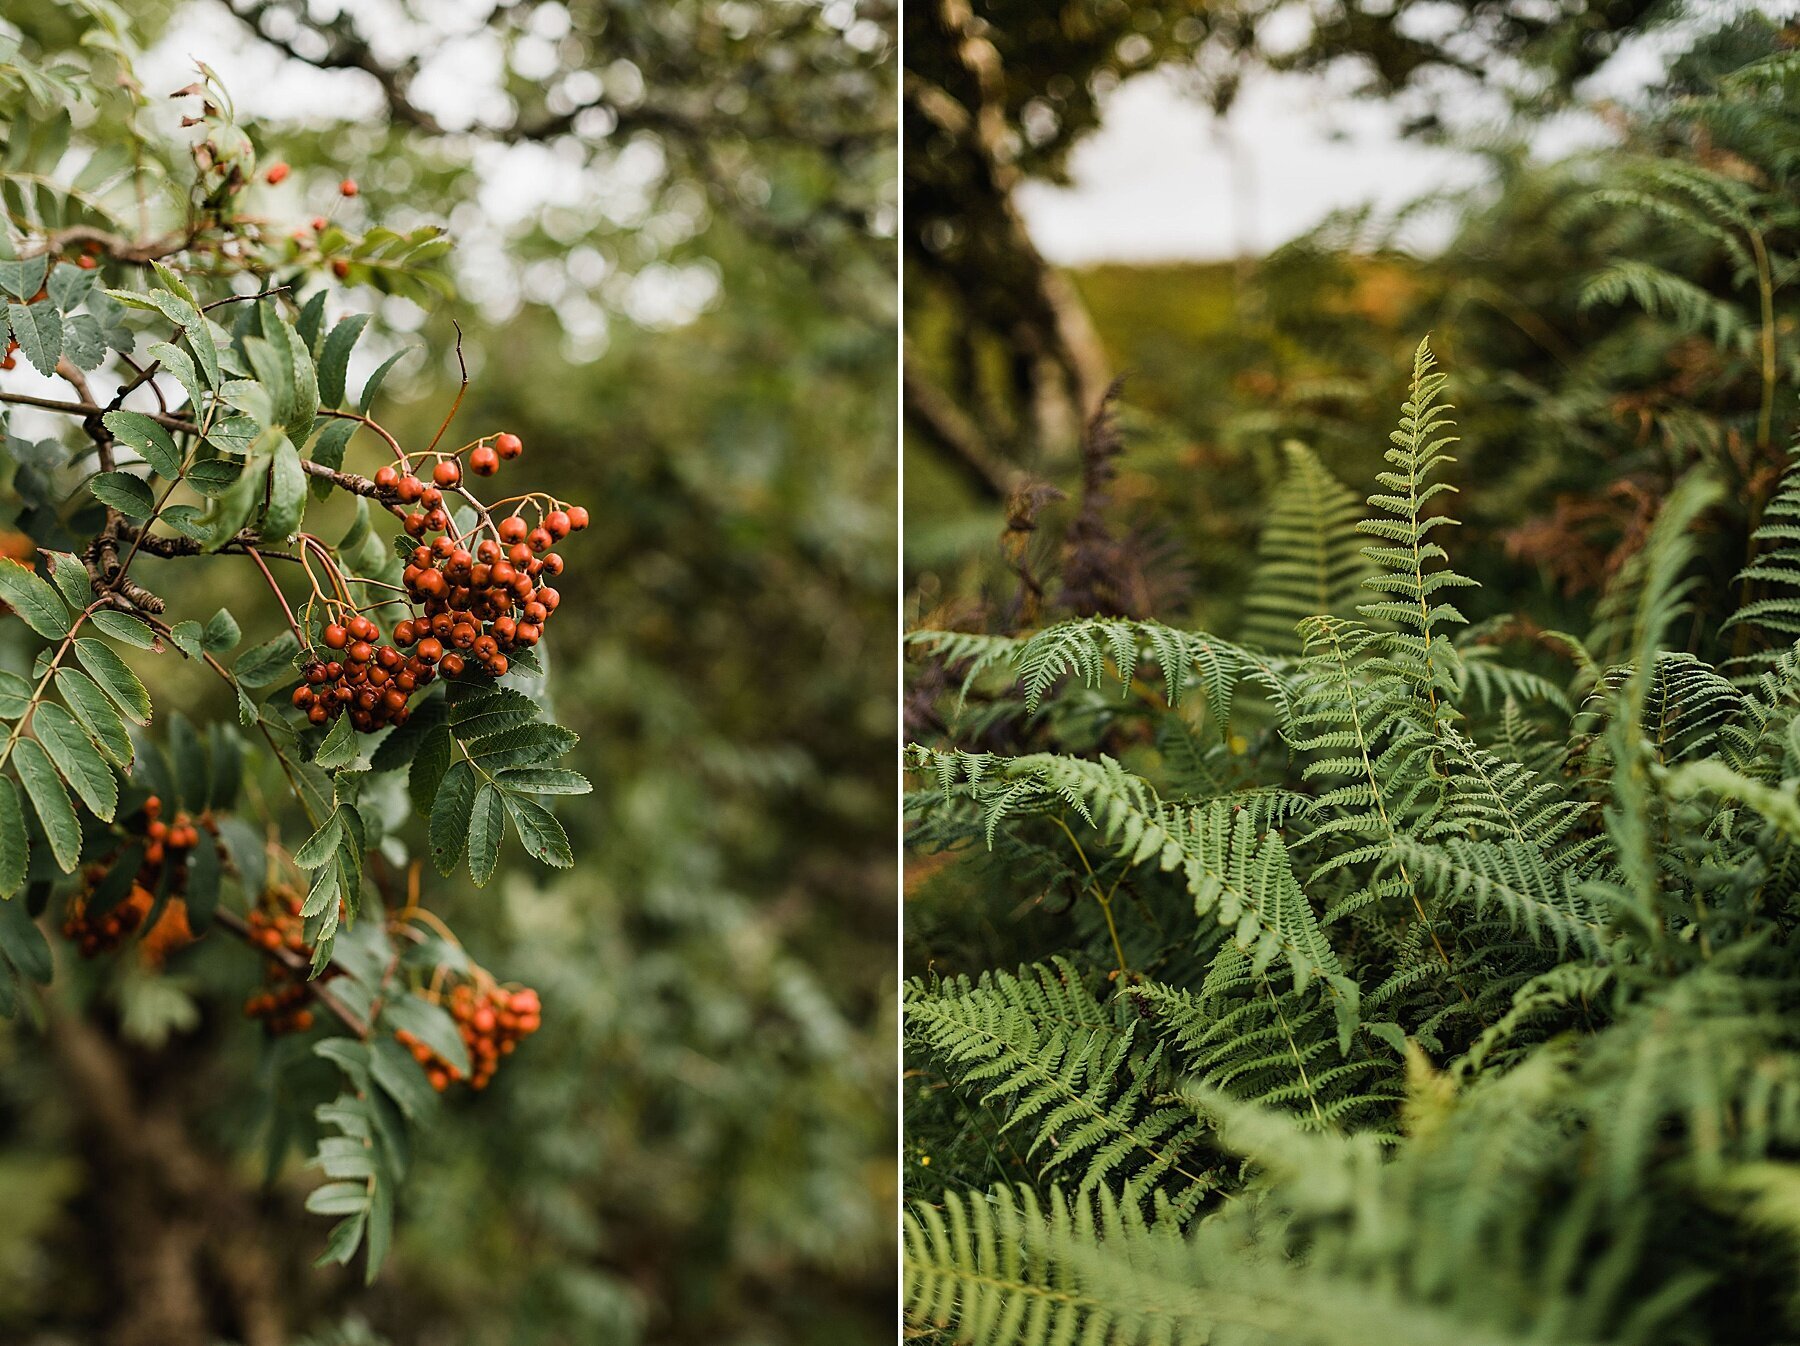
(484, 461)
(347, 187)
(513, 529)
(431, 649)
(508, 445)
(578, 518)
(86, 263)
(447, 473)
(336, 636)
(340, 267)
(276, 174)
(387, 477)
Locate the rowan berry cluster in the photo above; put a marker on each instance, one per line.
(484, 595)
(492, 1021)
(164, 867)
(284, 1005)
(170, 842)
(362, 674)
(95, 933)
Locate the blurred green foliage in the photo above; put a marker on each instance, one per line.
(698, 1144)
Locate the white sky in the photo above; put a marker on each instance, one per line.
(1156, 181)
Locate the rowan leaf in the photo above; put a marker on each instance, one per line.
(55, 814)
(114, 677)
(33, 599)
(76, 757)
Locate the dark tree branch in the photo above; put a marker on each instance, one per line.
(945, 427)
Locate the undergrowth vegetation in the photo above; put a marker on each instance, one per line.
(1391, 989)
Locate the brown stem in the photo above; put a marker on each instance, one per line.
(461, 392)
(293, 962)
(275, 589)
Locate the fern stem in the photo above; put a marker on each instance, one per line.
(1293, 1049)
(1765, 285)
(1387, 823)
(1105, 902)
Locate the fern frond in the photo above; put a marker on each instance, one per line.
(1243, 1036)
(1004, 1268)
(1658, 292)
(1506, 800)
(1662, 590)
(1086, 648)
(1412, 570)
(1076, 1073)
(1513, 876)
(1776, 567)
(1237, 873)
(1552, 996)
(1309, 556)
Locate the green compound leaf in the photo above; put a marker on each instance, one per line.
(50, 802)
(33, 599)
(38, 328)
(115, 679)
(76, 757)
(130, 495)
(142, 433)
(15, 842)
(451, 813)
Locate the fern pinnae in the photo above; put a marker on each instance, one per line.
(1309, 555)
(1412, 569)
(1043, 1050)
(1771, 582)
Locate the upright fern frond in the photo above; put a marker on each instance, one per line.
(1662, 591)
(1309, 558)
(1773, 577)
(1413, 571)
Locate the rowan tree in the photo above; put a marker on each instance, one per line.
(177, 395)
